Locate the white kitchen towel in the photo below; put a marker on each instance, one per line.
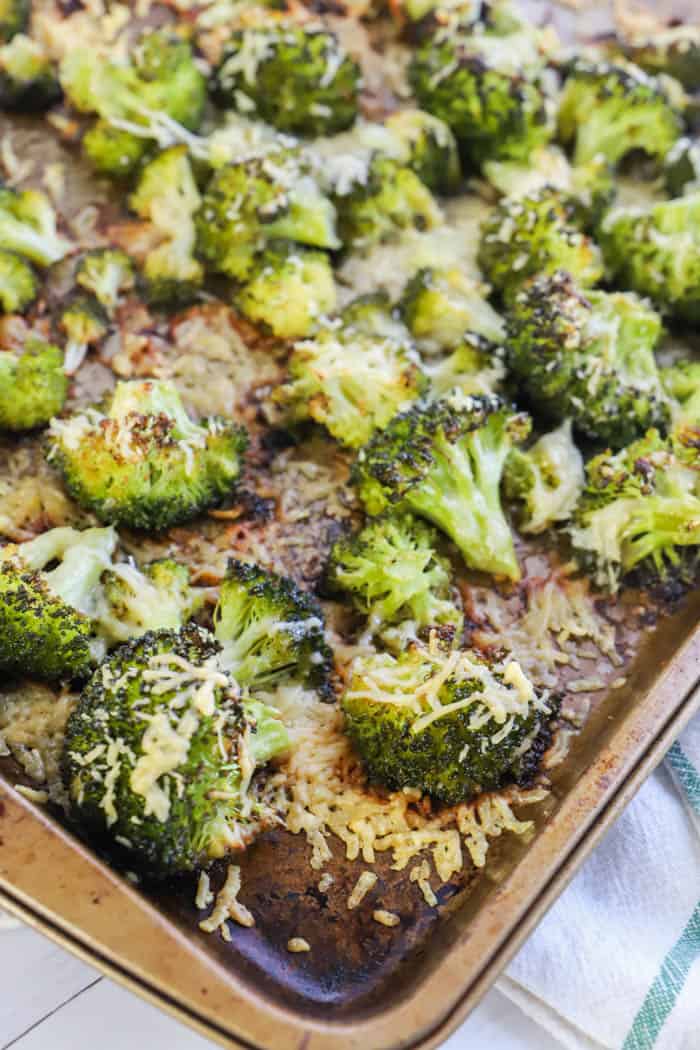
(615, 964)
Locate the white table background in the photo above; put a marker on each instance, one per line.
(51, 1001)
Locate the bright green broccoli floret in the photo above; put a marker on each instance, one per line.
(640, 511)
(134, 601)
(298, 78)
(545, 481)
(682, 383)
(290, 289)
(270, 630)
(84, 323)
(393, 572)
(14, 18)
(28, 227)
(106, 273)
(588, 356)
(350, 377)
(536, 234)
(441, 306)
(682, 167)
(451, 725)
(27, 80)
(159, 752)
(476, 366)
(112, 151)
(18, 283)
(444, 462)
(46, 626)
(656, 251)
(427, 147)
(254, 201)
(144, 463)
(33, 386)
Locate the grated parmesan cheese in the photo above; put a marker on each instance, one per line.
(298, 944)
(385, 918)
(228, 906)
(361, 888)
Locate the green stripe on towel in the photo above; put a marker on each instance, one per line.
(687, 775)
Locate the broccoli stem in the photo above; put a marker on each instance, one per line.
(82, 556)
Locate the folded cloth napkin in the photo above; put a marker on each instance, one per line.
(615, 963)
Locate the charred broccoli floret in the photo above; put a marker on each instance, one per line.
(46, 614)
(28, 227)
(545, 481)
(166, 195)
(656, 251)
(588, 356)
(682, 383)
(18, 283)
(682, 167)
(254, 201)
(536, 234)
(143, 462)
(441, 306)
(298, 78)
(33, 386)
(451, 725)
(290, 289)
(393, 572)
(350, 378)
(134, 601)
(270, 630)
(660, 48)
(14, 18)
(640, 511)
(444, 462)
(84, 323)
(476, 366)
(427, 147)
(159, 754)
(106, 273)
(27, 80)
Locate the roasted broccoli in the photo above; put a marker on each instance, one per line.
(476, 366)
(14, 18)
(84, 323)
(588, 356)
(449, 724)
(660, 48)
(106, 273)
(428, 147)
(290, 289)
(682, 383)
(159, 754)
(254, 201)
(134, 601)
(536, 234)
(444, 461)
(28, 227)
(18, 283)
(270, 630)
(682, 167)
(441, 306)
(27, 80)
(656, 251)
(298, 78)
(143, 462)
(545, 481)
(46, 613)
(33, 385)
(640, 512)
(112, 151)
(393, 572)
(609, 110)
(351, 377)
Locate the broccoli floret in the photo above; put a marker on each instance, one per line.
(270, 630)
(135, 601)
(674, 50)
(18, 283)
(254, 201)
(291, 288)
(159, 753)
(656, 251)
(84, 323)
(28, 227)
(380, 199)
(46, 614)
(298, 78)
(27, 79)
(441, 306)
(14, 18)
(640, 511)
(536, 234)
(588, 356)
(427, 147)
(451, 725)
(444, 461)
(353, 376)
(106, 273)
(393, 572)
(682, 383)
(33, 386)
(166, 195)
(476, 366)
(545, 481)
(143, 462)
(488, 87)
(609, 110)
(682, 167)
(112, 151)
